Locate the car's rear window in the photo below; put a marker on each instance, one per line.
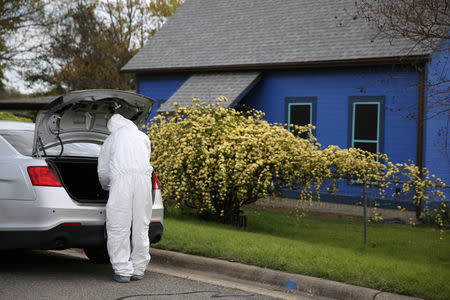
(22, 141)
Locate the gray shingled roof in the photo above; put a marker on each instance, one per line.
(222, 33)
(26, 103)
(208, 87)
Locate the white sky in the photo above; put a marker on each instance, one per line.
(13, 79)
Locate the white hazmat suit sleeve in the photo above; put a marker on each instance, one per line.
(103, 165)
(124, 165)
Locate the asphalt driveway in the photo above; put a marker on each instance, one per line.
(54, 275)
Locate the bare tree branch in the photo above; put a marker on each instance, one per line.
(426, 23)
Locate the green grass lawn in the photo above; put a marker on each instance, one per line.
(398, 258)
(10, 117)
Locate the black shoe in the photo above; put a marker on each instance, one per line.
(122, 279)
(137, 277)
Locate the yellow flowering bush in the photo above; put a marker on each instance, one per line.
(217, 159)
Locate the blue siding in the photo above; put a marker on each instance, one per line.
(436, 131)
(159, 87)
(333, 88)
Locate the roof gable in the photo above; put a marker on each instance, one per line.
(208, 87)
(223, 33)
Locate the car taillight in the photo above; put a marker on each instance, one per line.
(155, 181)
(43, 176)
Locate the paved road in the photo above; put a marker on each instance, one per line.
(52, 275)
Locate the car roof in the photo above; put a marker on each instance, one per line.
(13, 125)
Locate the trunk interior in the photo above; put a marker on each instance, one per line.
(79, 177)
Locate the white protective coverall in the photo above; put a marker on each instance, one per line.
(124, 169)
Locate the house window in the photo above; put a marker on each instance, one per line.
(367, 123)
(301, 111)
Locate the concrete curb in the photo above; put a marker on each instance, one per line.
(237, 271)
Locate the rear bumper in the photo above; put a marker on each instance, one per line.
(59, 237)
(65, 236)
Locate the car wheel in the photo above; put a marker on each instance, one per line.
(98, 255)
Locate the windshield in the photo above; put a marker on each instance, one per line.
(22, 141)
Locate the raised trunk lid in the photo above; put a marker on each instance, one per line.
(81, 117)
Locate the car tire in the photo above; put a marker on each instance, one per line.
(98, 255)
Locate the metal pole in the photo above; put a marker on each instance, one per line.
(365, 212)
(420, 121)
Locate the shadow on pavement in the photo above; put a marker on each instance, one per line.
(51, 265)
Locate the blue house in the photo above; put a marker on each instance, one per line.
(302, 61)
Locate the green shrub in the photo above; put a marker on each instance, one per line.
(217, 159)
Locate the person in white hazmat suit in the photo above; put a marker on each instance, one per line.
(124, 169)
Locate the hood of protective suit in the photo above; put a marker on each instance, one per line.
(117, 121)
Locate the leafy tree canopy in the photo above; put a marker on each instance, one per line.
(18, 21)
(88, 41)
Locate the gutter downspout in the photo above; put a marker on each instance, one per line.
(420, 123)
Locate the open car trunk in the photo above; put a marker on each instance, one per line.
(70, 123)
(79, 177)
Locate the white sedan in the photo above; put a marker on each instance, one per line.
(50, 196)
